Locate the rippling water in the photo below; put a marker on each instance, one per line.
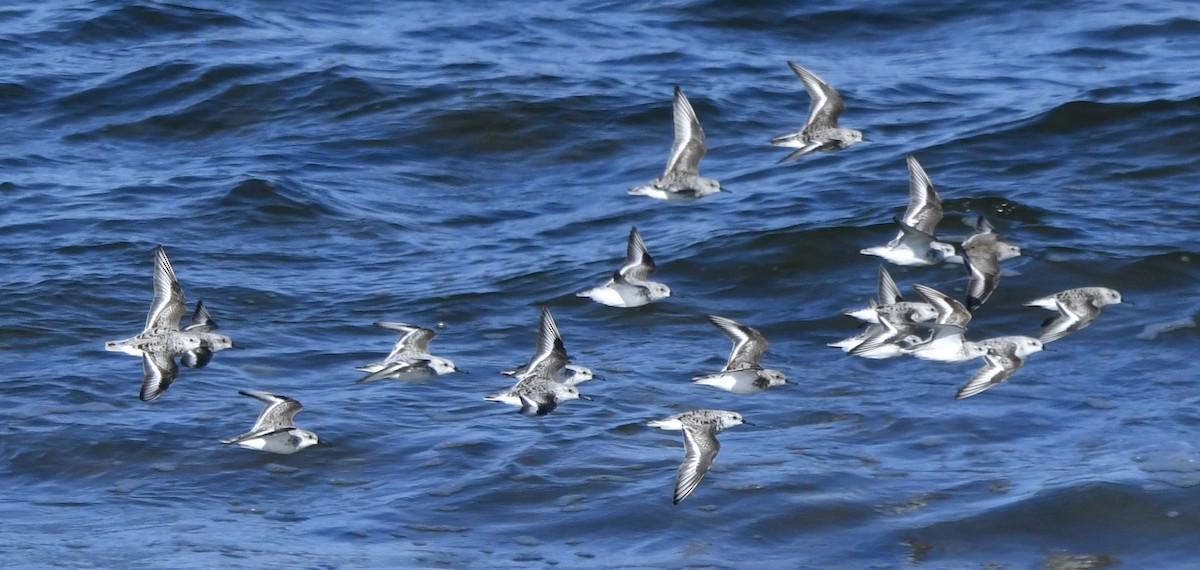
(315, 166)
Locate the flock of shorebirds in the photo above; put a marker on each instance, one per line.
(932, 329)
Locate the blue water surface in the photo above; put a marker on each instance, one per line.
(312, 167)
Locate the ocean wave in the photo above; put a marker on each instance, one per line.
(1170, 26)
(1075, 516)
(139, 22)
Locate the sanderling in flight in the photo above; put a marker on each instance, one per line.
(682, 180)
(914, 244)
(742, 373)
(892, 336)
(821, 131)
(945, 342)
(410, 358)
(628, 286)
(890, 300)
(700, 429)
(982, 252)
(1076, 309)
(162, 339)
(537, 392)
(892, 322)
(1002, 356)
(274, 430)
(570, 374)
(847, 344)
